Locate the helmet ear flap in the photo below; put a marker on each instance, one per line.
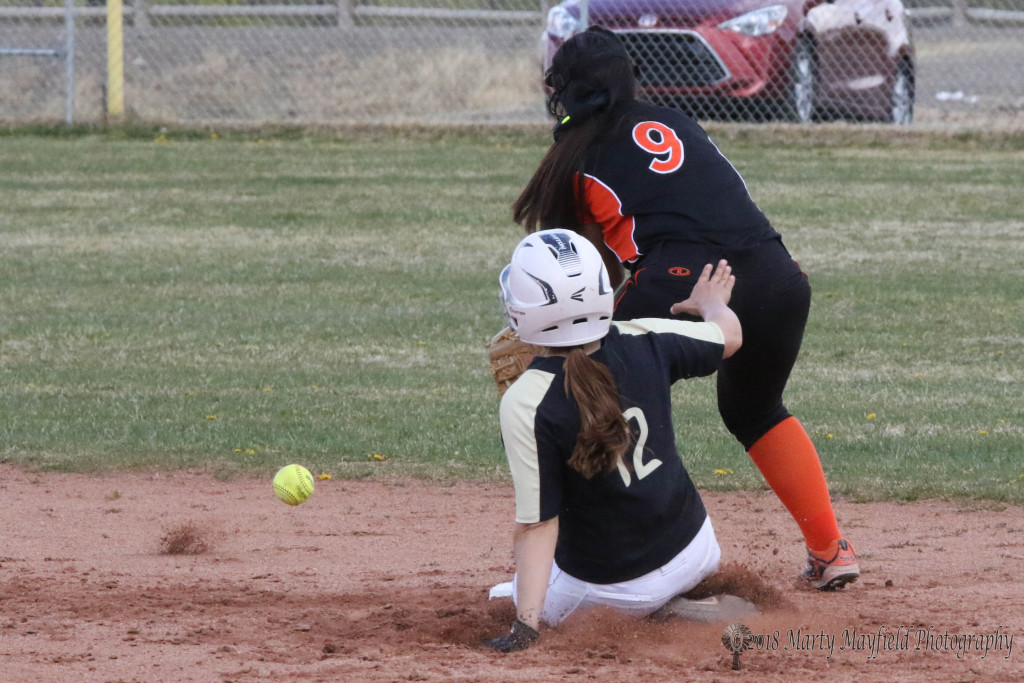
(581, 99)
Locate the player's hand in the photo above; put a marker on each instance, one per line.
(710, 301)
(713, 289)
(520, 637)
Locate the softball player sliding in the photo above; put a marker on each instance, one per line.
(647, 186)
(605, 511)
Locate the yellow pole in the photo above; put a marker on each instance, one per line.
(115, 60)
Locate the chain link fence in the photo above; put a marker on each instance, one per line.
(941, 62)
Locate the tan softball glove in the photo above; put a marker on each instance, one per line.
(509, 357)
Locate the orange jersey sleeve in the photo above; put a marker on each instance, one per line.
(601, 205)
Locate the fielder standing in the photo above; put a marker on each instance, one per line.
(648, 187)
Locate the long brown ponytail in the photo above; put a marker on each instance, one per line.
(604, 434)
(550, 197)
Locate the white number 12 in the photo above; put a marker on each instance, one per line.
(641, 468)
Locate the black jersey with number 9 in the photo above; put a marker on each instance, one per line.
(657, 176)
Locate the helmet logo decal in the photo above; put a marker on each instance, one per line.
(561, 247)
(578, 294)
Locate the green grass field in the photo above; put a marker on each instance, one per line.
(173, 300)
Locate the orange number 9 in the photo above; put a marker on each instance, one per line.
(662, 142)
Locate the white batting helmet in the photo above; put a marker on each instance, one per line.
(556, 290)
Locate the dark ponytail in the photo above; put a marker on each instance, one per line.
(549, 200)
(604, 435)
(592, 77)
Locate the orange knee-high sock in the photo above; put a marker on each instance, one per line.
(790, 464)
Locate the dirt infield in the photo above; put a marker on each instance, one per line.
(180, 577)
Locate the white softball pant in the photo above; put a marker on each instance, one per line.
(640, 596)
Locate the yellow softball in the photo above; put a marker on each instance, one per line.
(293, 484)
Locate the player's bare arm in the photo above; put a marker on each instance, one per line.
(710, 300)
(534, 549)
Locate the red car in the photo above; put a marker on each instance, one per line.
(801, 60)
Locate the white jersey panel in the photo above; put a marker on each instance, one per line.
(518, 416)
(703, 331)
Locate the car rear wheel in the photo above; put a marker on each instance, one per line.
(803, 80)
(901, 109)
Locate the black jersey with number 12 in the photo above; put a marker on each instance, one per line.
(625, 523)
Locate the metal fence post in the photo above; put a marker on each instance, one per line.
(69, 61)
(115, 60)
(959, 13)
(344, 12)
(140, 17)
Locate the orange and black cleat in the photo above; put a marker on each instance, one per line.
(833, 568)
